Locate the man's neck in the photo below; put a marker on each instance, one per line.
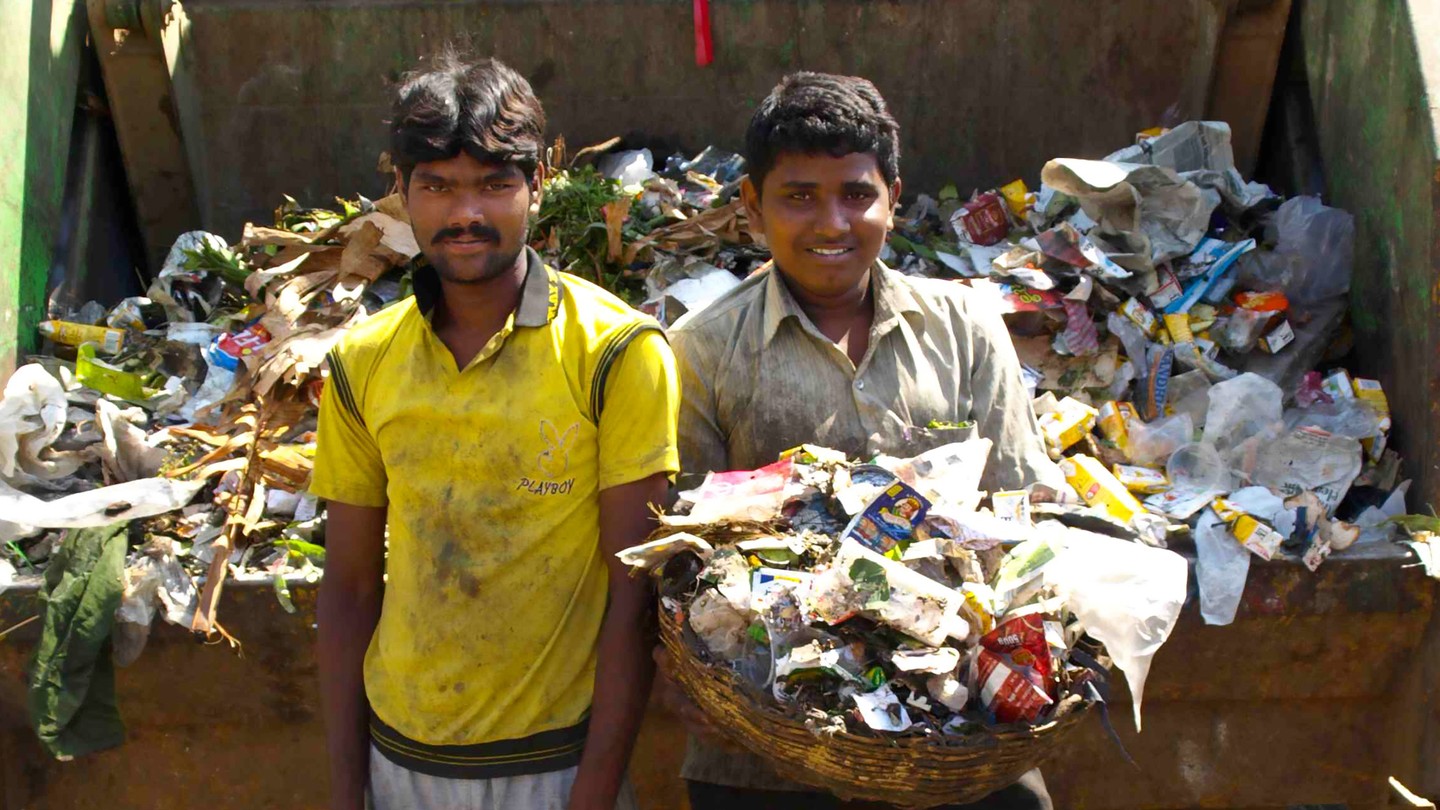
(843, 307)
(481, 307)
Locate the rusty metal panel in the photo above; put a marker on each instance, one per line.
(290, 97)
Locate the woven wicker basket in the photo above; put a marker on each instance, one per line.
(906, 772)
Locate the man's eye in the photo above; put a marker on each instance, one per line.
(861, 195)
(434, 189)
(802, 196)
(500, 186)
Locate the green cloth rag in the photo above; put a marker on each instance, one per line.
(72, 679)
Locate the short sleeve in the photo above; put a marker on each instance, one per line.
(348, 467)
(641, 403)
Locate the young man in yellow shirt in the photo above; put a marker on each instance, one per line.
(829, 346)
(510, 426)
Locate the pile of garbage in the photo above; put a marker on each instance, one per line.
(666, 241)
(1170, 317)
(895, 598)
(190, 413)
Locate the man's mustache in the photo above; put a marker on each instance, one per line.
(474, 230)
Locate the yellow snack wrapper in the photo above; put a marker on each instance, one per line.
(106, 340)
(1115, 423)
(1100, 488)
(1066, 425)
(1141, 316)
(1141, 480)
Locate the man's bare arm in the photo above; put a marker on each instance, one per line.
(624, 668)
(348, 611)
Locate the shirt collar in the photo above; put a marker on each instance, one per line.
(892, 300)
(539, 292)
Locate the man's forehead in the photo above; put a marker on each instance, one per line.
(464, 165)
(809, 168)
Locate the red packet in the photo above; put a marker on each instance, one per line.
(984, 219)
(1013, 670)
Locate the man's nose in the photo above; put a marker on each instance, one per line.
(831, 219)
(466, 207)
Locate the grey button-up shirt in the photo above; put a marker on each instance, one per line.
(759, 378)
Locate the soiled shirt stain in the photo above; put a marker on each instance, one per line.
(757, 378)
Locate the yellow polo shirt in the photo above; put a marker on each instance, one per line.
(483, 662)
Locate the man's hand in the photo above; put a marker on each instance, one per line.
(674, 699)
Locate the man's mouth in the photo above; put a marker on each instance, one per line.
(830, 251)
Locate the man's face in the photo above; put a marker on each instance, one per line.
(470, 217)
(825, 218)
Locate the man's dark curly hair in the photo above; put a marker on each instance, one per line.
(821, 113)
(480, 107)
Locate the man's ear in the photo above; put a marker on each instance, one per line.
(400, 184)
(750, 195)
(894, 204)
(537, 189)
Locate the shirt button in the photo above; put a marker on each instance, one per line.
(860, 385)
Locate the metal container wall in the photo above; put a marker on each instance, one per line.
(283, 96)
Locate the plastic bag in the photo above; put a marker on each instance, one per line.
(1240, 331)
(1350, 418)
(1190, 394)
(1151, 444)
(1306, 459)
(1324, 240)
(1266, 270)
(1241, 409)
(1126, 594)
(1221, 567)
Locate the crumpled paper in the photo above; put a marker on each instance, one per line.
(1148, 205)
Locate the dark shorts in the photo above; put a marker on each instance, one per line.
(1027, 794)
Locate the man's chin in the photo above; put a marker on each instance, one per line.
(477, 272)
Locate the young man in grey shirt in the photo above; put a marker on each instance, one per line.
(828, 346)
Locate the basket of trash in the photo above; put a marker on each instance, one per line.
(918, 771)
(879, 632)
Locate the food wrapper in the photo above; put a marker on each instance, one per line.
(1317, 553)
(1338, 386)
(1141, 316)
(1012, 506)
(1372, 393)
(1018, 197)
(1100, 488)
(1141, 480)
(1267, 301)
(1167, 289)
(1114, 421)
(1263, 541)
(1066, 425)
(1177, 325)
(890, 519)
(740, 495)
(982, 220)
(1013, 669)
(1278, 338)
(1160, 363)
(108, 340)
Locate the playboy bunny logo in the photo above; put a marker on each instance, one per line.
(554, 460)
